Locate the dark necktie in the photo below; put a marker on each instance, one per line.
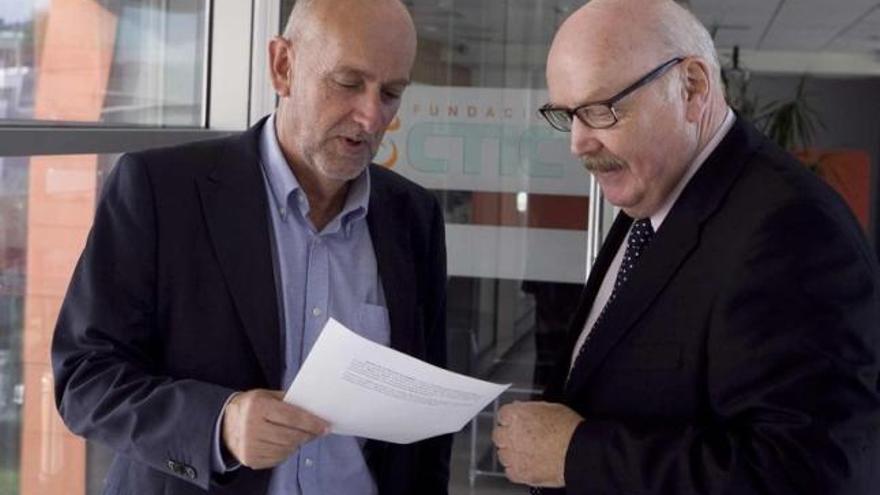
(639, 237)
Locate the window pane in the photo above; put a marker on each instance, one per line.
(103, 62)
(516, 201)
(47, 204)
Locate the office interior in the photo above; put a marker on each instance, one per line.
(83, 81)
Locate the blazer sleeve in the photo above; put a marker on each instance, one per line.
(792, 385)
(106, 351)
(434, 453)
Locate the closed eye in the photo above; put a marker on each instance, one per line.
(348, 84)
(392, 95)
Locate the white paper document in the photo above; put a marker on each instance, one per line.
(368, 390)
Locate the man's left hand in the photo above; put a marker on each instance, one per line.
(532, 440)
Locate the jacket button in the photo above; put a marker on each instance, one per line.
(189, 472)
(173, 466)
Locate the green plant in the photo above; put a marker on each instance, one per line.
(790, 123)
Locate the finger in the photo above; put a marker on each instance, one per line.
(278, 394)
(270, 455)
(302, 426)
(283, 436)
(285, 441)
(262, 462)
(514, 470)
(261, 434)
(504, 456)
(499, 437)
(258, 458)
(507, 414)
(502, 417)
(290, 416)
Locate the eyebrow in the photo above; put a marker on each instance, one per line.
(347, 70)
(591, 101)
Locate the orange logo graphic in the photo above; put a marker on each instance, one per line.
(387, 155)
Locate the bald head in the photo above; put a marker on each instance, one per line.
(308, 17)
(340, 71)
(631, 36)
(652, 67)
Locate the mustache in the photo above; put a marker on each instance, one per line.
(354, 133)
(602, 163)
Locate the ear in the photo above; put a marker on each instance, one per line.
(281, 56)
(697, 87)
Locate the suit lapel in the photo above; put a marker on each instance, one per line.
(658, 264)
(597, 274)
(672, 244)
(588, 296)
(235, 209)
(390, 239)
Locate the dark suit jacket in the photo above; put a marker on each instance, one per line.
(173, 306)
(742, 355)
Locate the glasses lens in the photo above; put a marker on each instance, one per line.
(558, 118)
(597, 116)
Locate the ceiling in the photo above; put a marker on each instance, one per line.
(793, 25)
(526, 26)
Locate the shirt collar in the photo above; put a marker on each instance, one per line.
(282, 182)
(286, 190)
(658, 217)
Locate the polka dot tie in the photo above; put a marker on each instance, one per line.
(639, 237)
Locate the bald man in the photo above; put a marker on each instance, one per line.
(211, 269)
(727, 340)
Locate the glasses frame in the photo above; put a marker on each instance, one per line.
(548, 110)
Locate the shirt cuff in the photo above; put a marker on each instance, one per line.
(221, 460)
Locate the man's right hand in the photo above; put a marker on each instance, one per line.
(261, 430)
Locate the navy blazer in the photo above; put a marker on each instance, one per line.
(173, 306)
(742, 356)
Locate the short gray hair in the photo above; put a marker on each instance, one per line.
(683, 34)
(297, 21)
(300, 12)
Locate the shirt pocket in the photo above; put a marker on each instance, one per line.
(373, 323)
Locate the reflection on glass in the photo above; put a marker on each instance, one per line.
(46, 205)
(102, 62)
(13, 211)
(515, 200)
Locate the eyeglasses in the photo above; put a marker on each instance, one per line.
(600, 114)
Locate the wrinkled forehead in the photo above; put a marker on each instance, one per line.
(364, 40)
(594, 61)
(578, 76)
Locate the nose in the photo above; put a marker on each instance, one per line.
(370, 112)
(583, 139)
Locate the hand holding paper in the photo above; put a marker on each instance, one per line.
(261, 431)
(368, 390)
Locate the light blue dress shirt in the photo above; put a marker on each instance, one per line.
(321, 274)
(331, 273)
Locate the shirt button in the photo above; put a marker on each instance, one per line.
(316, 311)
(309, 462)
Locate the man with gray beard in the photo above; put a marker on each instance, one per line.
(211, 269)
(727, 340)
